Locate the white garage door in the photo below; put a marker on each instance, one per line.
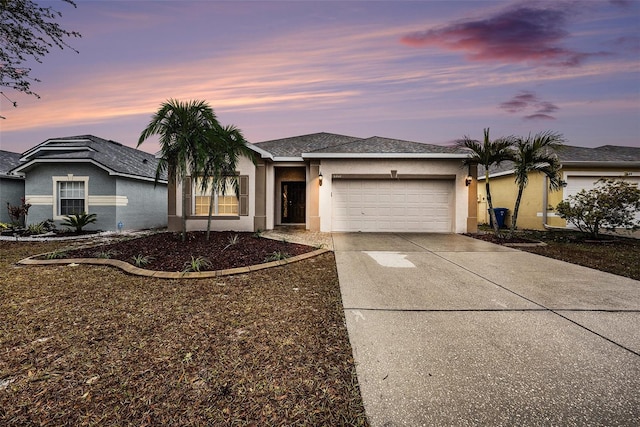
(403, 206)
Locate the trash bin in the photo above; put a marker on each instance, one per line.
(501, 216)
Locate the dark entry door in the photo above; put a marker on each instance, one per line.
(293, 202)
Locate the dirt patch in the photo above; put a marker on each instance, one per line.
(613, 254)
(91, 345)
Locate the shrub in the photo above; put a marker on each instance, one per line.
(59, 253)
(277, 256)
(106, 254)
(196, 264)
(18, 213)
(612, 204)
(141, 260)
(36, 229)
(41, 227)
(78, 221)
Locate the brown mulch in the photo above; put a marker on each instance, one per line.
(167, 252)
(500, 240)
(85, 345)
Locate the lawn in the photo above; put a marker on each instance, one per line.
(613, 254)
(86, 345)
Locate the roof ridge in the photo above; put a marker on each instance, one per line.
(354, 139)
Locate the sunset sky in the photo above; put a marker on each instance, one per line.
(427, 71)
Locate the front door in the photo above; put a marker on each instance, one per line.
(293, 202)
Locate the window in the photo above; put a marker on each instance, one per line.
(71, 197)
(225, 200)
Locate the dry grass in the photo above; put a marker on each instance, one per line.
(92, 346)
(613, 254)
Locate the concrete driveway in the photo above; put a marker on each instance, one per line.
(449, 330)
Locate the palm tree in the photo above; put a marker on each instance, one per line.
(224, 147)
(184, 129)
(488, 153)
(536, 155)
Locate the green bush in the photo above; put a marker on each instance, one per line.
(78, 221)
(612, 204)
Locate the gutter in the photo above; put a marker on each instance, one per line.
(384, 156)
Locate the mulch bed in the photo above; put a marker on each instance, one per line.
(167, 252)
(500, 240)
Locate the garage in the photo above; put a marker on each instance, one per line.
(577, 183)
(421, 205)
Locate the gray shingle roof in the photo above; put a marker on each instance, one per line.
(377, 144)
(569, 154)
(295, 146)
(110, 154)
(8, 161)
(323, 142)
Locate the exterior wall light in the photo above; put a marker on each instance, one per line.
(320, 178)
(468, 180)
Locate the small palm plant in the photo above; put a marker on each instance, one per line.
(78, 221)
(142, 260)
(196, 264)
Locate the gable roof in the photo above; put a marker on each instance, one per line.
(293, 147)
(570, 155)
(115, 158)
(329, 145)
(8, 161)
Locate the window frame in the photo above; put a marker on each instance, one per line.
(197, 192)
(56, 193)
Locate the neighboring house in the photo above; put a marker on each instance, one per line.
(581, 168)
(11, 186)
(328, 182)
(85, 173)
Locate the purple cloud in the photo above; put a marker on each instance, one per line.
(539, 117)
(522, 34)
(519, 102)
(527, 100)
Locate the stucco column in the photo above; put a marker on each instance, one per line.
(472, 214)
(313, 197)
(260, 192)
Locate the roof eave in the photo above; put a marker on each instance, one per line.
(287, 159)
(263, 153)
(602, 163)
(497, 174)
(27, 165)
(384, 156)
(37, 148)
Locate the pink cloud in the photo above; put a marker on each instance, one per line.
(521, 34)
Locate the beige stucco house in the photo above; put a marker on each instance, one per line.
(329, 183)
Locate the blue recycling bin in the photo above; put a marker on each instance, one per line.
(501, 215)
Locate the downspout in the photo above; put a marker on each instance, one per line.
(545, 203)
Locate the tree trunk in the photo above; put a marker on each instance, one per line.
(516, 208)
(492, 213)
(184, 211)
(210, 213)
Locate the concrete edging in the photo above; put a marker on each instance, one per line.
(132, 269)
